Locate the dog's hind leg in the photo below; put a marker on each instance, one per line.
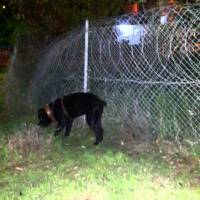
(94, 122)
(98, 130)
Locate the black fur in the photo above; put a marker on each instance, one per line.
(76, 104)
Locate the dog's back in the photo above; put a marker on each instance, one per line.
(83, 99)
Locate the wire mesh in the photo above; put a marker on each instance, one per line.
(149, 74)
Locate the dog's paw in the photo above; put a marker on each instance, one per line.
(57, 131)
(96, 143)
(56, 134)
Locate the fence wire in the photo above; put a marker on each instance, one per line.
(147, 68)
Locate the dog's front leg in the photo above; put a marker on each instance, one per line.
(59, 128)
(68, 127)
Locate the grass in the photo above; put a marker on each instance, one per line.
(35, 165)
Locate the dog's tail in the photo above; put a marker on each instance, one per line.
(104, 103)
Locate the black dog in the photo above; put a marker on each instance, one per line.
(64, 110)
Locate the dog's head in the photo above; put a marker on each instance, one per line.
(44, 117)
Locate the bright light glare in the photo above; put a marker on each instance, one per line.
(3, 6)
(130, 33)
(125, 30)
(163, 19)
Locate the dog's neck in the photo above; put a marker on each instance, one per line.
(49, 111)
(65, 110)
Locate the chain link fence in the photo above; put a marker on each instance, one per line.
(147, 68)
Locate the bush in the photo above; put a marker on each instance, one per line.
(24, 61)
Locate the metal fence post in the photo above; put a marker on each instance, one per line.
(85, 86)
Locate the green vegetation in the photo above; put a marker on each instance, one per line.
(3, 72)
(35, 165)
